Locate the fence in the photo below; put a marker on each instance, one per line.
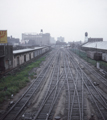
(83, 55)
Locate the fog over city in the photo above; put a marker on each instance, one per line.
(67, 18)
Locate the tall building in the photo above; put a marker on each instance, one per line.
(46, 39)
(36, 39)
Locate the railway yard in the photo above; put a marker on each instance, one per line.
(66, 88)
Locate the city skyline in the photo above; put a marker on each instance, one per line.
(70, 19)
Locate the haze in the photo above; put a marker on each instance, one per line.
(67, 18)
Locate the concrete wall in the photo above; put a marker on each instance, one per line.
(104, 57)
(8, 59)
(21, 58)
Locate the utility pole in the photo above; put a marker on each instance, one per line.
(97, 63)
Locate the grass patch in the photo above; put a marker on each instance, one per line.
(13, 83)
(83, 55)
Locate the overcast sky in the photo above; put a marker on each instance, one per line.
(67, 18)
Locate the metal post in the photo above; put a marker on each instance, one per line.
(97, 63)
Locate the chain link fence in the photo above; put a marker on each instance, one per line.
(83, 55)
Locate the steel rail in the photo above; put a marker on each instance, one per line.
(75, 90)
(56, 90)
(91, 93)
(93, 97)
(55, 99)
(91, 82)
(89, 68)
(68, 89)
(46, 98)
(95, 101)
(103, 95)
(57, 95)
(27, 91)
(100, 94)
(49, 94)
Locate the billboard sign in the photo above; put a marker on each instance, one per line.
(3, 36)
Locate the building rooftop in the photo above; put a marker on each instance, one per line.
(26, 50)
(99, 45)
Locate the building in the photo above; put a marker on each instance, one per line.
(60, 39)
(10, 58)
(58, 43)
(96, 50)
(13, 41)
(75, 44)
(93, 46)
(52, 40)
(95, 39)
(91, 39)
(46, 39)
(6, 57)
(36, 39)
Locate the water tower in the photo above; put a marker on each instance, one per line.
(86, 37)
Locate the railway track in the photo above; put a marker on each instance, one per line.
(75, 94)
(61, 73)
(50, 95)
(16, 109)
(99, 81)
(97, 99)
(90, 70)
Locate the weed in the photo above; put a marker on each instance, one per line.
(12, 84)
(83, 55)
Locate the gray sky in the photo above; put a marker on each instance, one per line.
(67, 18)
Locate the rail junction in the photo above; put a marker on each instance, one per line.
(65, 89)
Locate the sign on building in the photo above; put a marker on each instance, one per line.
(3, 36)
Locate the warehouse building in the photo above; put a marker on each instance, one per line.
(10, 58)
(96, 50)
(95, 39)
